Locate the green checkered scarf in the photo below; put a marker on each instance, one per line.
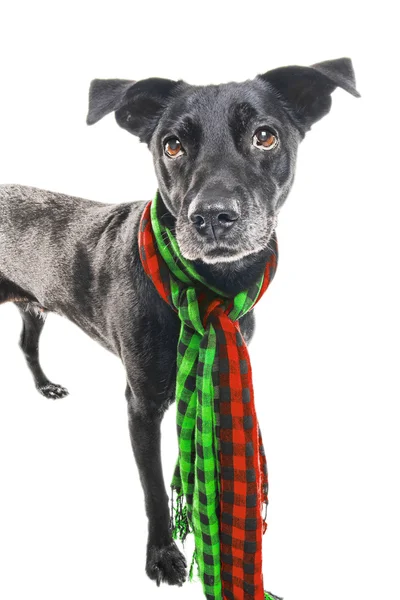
(221, 465)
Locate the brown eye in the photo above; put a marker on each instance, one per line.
(265, 139)
(173, 147)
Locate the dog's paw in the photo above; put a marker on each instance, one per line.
(52, 391)
(166, 564)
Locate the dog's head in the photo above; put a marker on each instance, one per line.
(224, 154)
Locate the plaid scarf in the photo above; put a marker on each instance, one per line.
(221, 477)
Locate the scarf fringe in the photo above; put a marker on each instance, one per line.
(179, 522)
(180, 525)
(194, 561)
(264, 517)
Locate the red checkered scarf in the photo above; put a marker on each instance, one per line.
(242, 468)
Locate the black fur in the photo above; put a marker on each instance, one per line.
(80, 258)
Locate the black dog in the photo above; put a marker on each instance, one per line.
(225, 158)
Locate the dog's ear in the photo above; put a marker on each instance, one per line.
(306, 91)
(137, 105)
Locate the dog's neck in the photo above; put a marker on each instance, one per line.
(233, 277)
(229, 277)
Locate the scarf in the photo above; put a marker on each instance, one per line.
(220, 480)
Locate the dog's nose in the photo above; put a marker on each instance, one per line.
(214, 219)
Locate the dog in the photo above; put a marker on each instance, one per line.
(224, 157)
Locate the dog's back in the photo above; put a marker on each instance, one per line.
(39, 234)
(65, 254)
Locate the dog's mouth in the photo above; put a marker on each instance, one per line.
(221, 252)
(224, 254)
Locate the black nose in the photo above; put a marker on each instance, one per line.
(214, 219)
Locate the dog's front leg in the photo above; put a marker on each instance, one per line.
(164, 561)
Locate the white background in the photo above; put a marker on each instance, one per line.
(325, 356)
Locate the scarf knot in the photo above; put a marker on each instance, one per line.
(220, 479)
(196, 310)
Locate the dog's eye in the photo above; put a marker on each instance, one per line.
(173, 147)
(265, 139)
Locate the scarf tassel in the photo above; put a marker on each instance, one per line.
(179, 523)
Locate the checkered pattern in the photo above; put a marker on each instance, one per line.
(221, 470)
